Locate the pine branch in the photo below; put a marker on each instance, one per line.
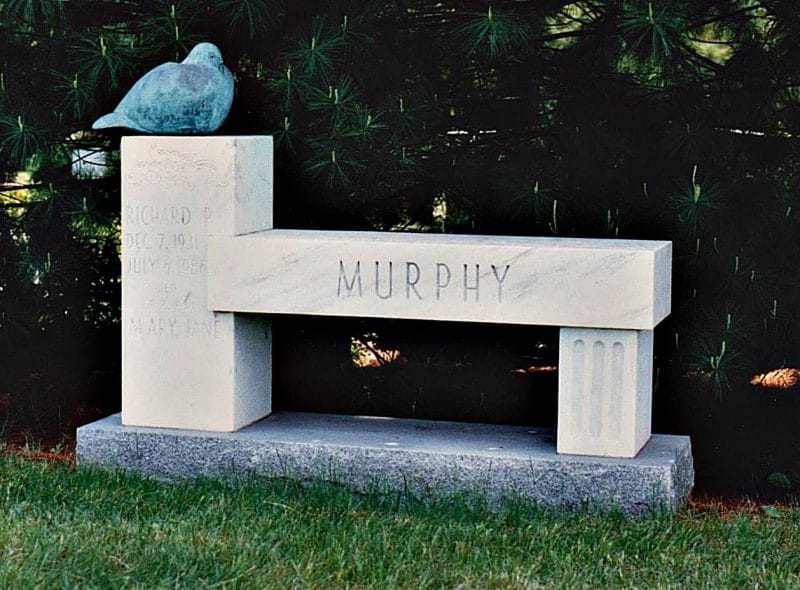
(709, 41)
(17, 205)
(729, 15)
(565, 35)
(701, 59)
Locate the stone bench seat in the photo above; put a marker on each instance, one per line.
(607, 295)
(619, 284)
(203, 270)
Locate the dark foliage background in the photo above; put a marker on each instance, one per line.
(656, 119)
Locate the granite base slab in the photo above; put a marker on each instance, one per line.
(424, 457)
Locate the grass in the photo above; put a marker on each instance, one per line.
(62, 527)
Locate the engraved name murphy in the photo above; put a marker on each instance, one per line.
(410, 280)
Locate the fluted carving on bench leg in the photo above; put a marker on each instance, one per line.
(604, 391)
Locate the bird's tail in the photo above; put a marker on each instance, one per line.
(113, 120)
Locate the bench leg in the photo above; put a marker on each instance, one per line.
(604, 391)
(184, 366)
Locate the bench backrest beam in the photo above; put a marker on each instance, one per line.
(620, 284)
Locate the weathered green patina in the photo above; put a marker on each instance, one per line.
(186, 98)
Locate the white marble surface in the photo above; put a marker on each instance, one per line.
(198, 246)
(604, 391)
(184, 366)
(516, 280)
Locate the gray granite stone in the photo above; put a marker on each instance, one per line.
(497, 462)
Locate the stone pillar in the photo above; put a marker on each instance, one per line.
(184, 366)
(604, 391)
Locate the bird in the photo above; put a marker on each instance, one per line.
(191, 97)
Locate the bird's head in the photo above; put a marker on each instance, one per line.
(206, 54)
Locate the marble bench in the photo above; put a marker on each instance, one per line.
(203, 271)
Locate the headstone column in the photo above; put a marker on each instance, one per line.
(184, 366)
(604, 391)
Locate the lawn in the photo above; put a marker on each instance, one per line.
(62, 527)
